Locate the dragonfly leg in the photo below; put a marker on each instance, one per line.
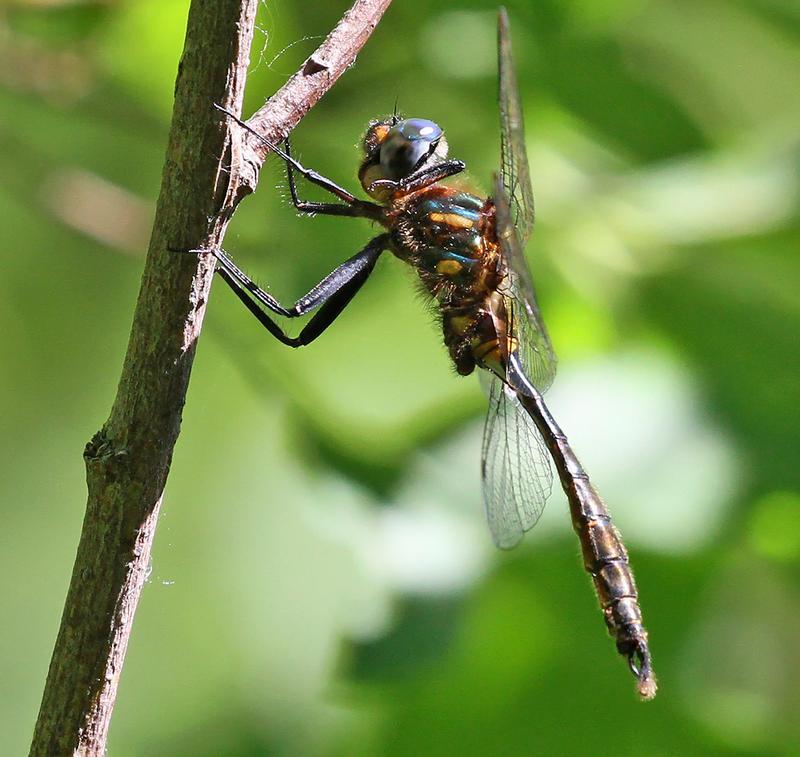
(236, 277)
(242, 280)
(421, 178)
(356, 207)
(331, 295)
(253, 307)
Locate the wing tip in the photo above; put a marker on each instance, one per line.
(505, 543)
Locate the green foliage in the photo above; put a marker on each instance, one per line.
(323, 582)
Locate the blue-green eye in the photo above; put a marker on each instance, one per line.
(407, 145)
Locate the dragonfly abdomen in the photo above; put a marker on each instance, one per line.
(604, 556)
(606, 560)
(471, 335)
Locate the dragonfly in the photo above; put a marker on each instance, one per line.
(468, 254)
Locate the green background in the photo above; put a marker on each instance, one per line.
(323, 582)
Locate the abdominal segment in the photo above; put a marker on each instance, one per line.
(475, 336)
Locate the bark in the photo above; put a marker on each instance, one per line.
(128, 460)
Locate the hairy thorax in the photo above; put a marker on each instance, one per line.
(447, 235)
(444, 234)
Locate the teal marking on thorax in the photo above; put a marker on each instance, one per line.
(462, 204)
(433, 255)
(450, 255)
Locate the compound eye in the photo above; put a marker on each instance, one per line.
(408, 145)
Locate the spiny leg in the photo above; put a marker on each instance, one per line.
(232, 272)
(332, 294)
(253, 307)
(357, 207)
(327, 287)
(235, 274)
(421, 178)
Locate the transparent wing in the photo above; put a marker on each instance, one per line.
(513, 155)
(525, 323)
(515, 467)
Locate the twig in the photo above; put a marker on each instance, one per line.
(128, 460)
(284, 110)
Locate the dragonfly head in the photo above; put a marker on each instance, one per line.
(395, 149)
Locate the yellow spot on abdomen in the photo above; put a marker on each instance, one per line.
(451, 219)
(482, 350)
(488, 355)
(460, 323)
(448, 267)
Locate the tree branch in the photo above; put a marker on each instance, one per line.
(284, 110)
(128, 460)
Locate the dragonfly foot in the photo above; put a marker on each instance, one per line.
(187, 251)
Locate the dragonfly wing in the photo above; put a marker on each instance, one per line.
(517, 477)
(516, 472)
(525, 323)
(513, 154)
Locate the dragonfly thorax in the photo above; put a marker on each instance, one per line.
(442, 233)
(446, 235)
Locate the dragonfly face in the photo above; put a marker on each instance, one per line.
(395, 149)
(468, 254)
